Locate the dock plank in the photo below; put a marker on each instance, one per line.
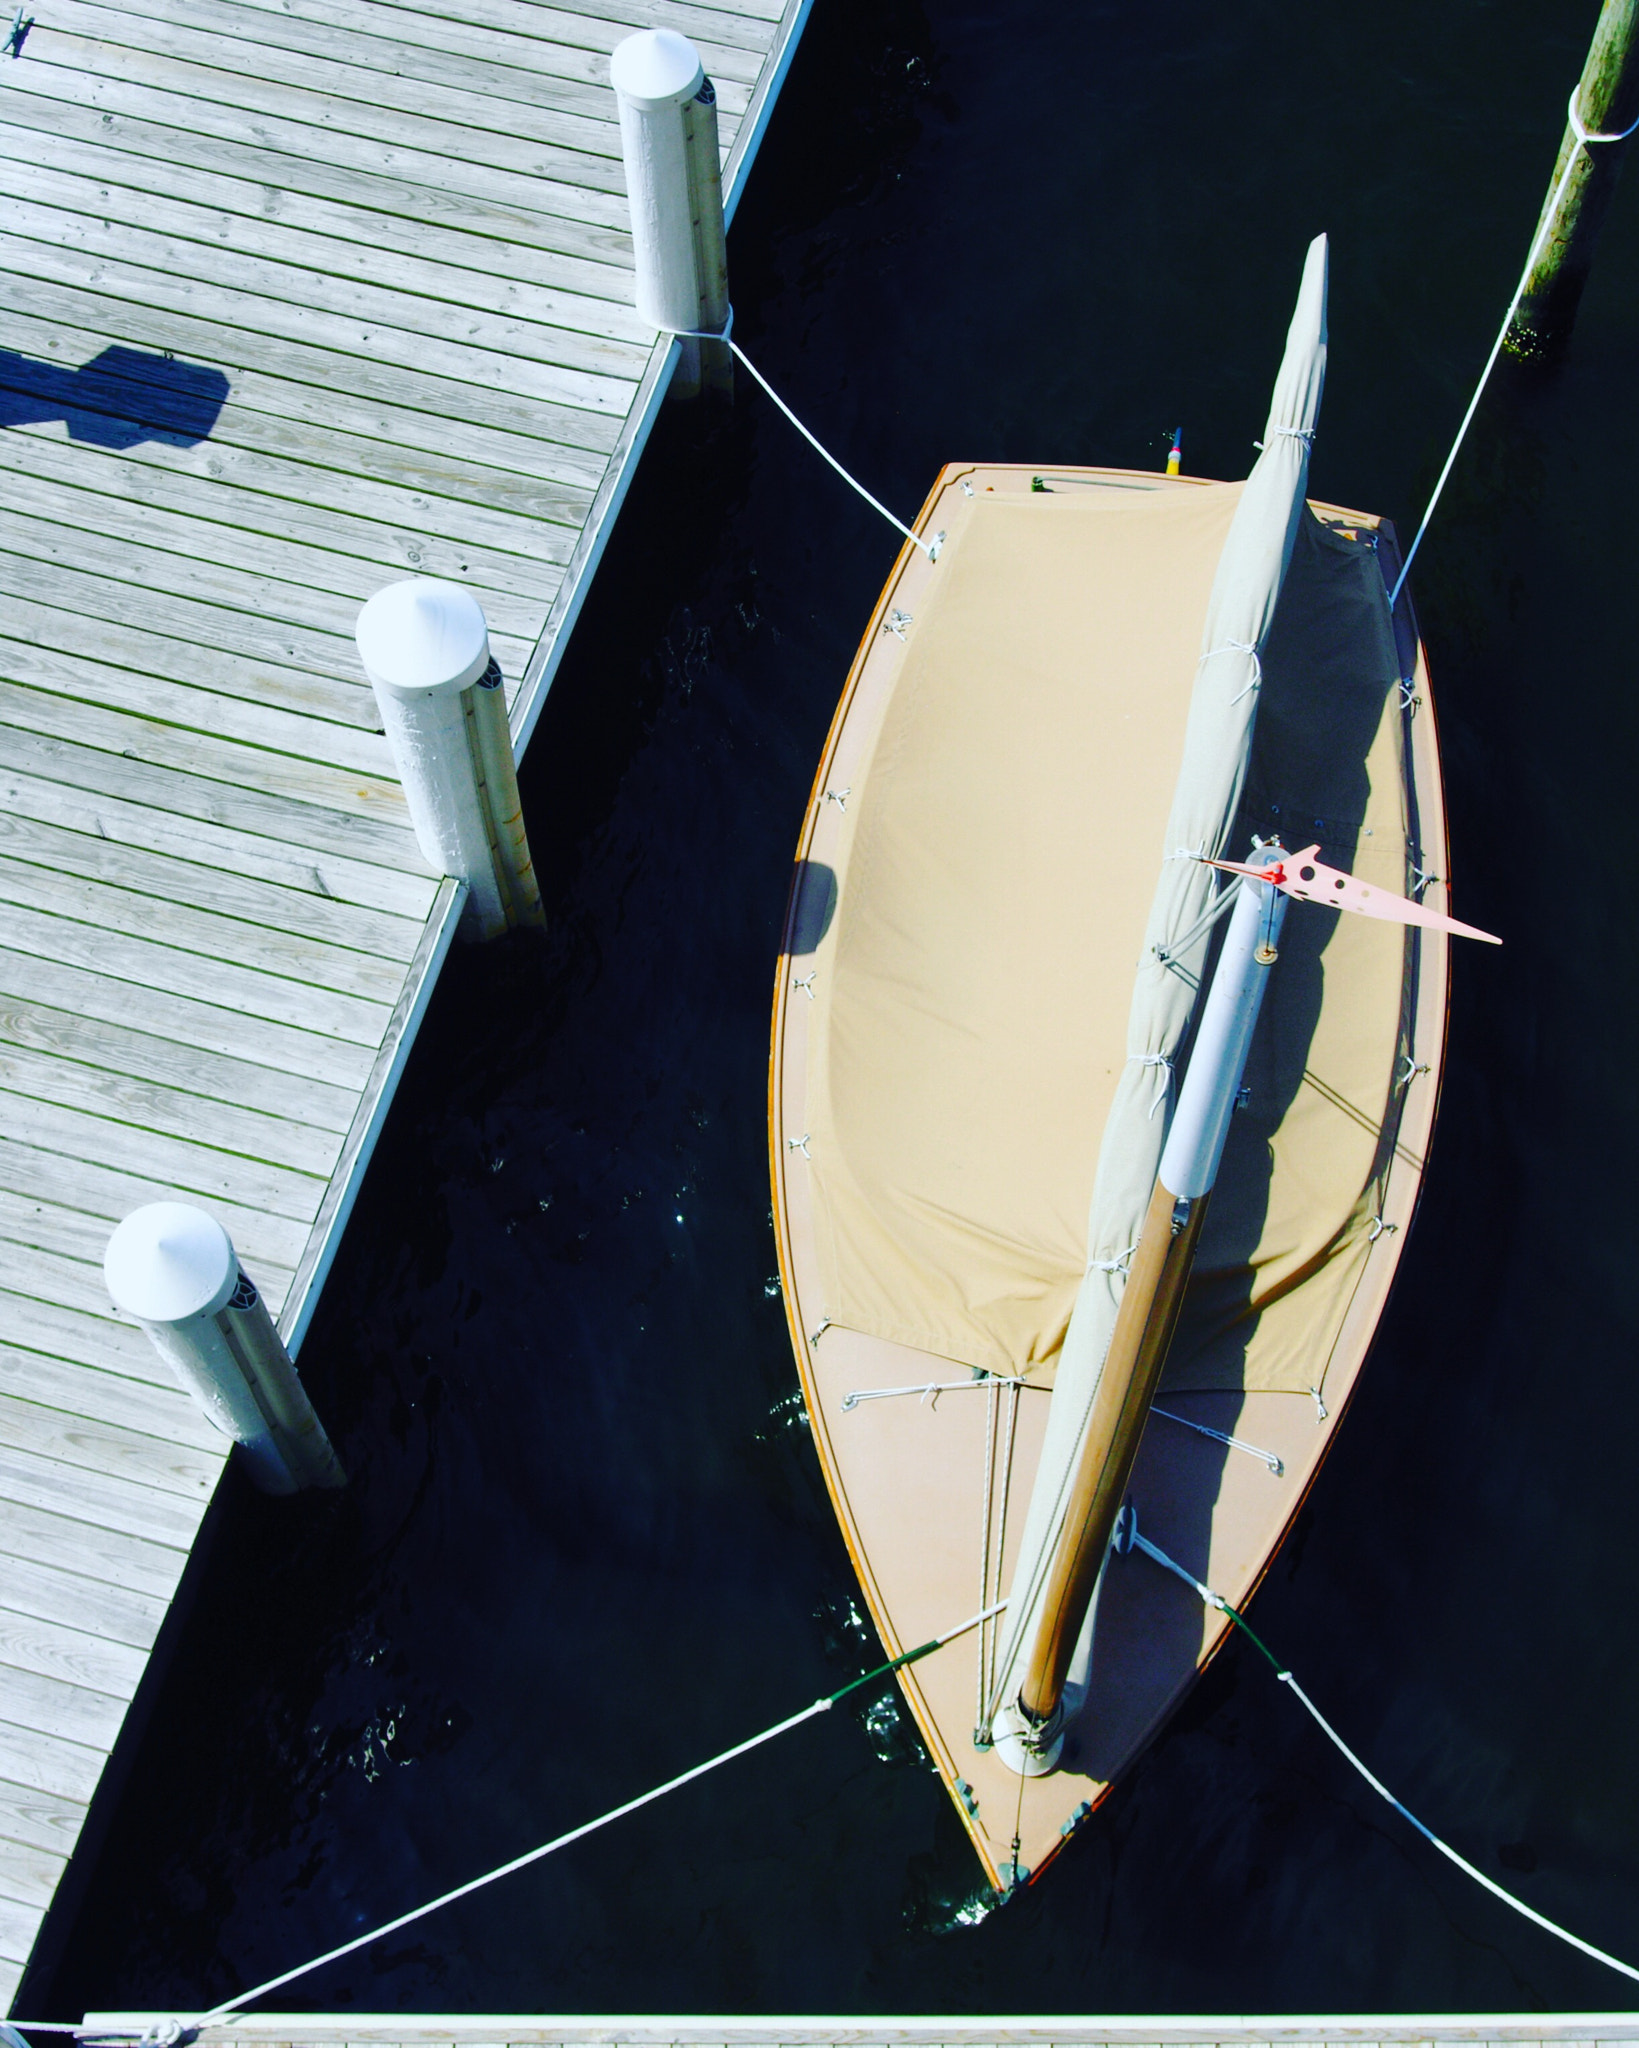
(108, 796)
(102, 1498)
(575, 142)
(238, 600)
(28, 1877)
(93, 856)
(131, 487)
(460, 248)
(193, 1168)
(303, 296)
(46, 1761)
(504, 55)
(43, 921)
(68, 1596)
(75, 1658)
(597, 376)
(150, 1106)
(116, 1049)
(529, 314)
(244, 708)
(39, 1820)
(116, 908)
(101, 1195)
(83, 1393)
(230, 1034)
(420, 414)
(306, 803)
(566, 185)
(54, 1535)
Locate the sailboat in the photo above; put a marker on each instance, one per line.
(1091, 1174)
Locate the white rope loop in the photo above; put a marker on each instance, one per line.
(1583, 137)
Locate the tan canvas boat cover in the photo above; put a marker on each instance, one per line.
(992, 911)
(972, 999)
(972, 1014)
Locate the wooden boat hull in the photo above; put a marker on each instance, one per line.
(930, 1492)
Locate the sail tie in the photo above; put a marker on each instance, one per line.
(1163, 1062)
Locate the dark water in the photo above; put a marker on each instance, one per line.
(587, 1542)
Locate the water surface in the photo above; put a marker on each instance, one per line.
(586, 1541)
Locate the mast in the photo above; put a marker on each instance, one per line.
(1153, 1296)
(1135, 1266)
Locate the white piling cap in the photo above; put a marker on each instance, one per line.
(168, 1261)
(656, 68)
(423, 634)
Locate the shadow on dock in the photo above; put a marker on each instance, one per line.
(119, 398)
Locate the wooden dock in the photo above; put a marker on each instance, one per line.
(302, 296)
(1292, 2030)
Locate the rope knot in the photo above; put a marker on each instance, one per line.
(1246, 647)
(1163, 1062)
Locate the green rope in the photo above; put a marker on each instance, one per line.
(1256, 1640)
(886, 1670)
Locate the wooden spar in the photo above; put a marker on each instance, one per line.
(1153, 1295)
(1607, 102)
(1144, 1324)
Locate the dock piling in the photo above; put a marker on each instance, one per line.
(668, 139)
(1607, 105)
(175, 1270)
(425, 648)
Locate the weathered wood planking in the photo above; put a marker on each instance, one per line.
(467, 2030)
(302, 296)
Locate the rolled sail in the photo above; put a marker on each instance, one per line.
(1217, 746)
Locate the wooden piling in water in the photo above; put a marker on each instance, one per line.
(1584, 180)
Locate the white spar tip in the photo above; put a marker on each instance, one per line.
(1295, 404)
(168, 1261)
(423, 635)
(656, 68)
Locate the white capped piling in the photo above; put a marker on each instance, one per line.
(425, 648)
(668, 138)
(175, 1270)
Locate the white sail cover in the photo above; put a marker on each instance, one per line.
(1217, 745)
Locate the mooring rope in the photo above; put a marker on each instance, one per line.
(929, 548)
(234, 2008)
(1217, 1600)
(1579, 144)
